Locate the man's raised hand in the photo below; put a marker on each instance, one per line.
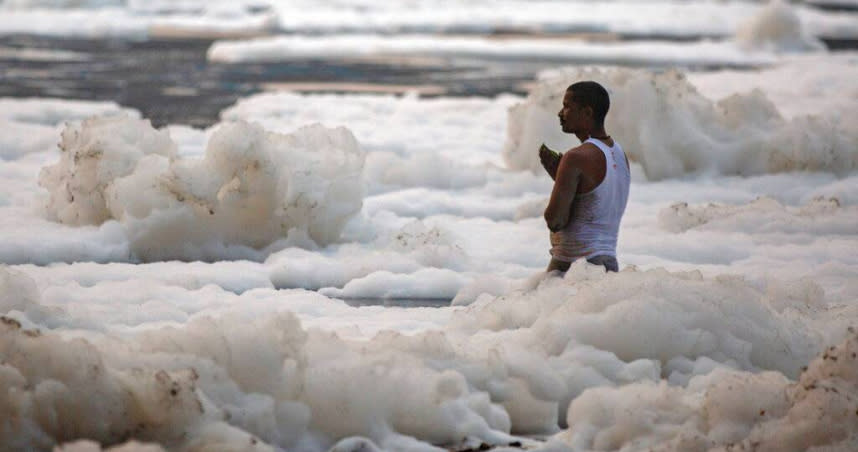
(550, 160)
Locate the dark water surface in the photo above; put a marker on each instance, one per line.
(399, 302)
(170, 81)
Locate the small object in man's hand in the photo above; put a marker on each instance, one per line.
(550, 159)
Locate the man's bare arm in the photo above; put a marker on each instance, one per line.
(565, 186)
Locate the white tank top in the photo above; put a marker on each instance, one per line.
(594, 221)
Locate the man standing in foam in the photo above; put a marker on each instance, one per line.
(591, 183)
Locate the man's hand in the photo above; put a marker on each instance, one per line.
(550, 160)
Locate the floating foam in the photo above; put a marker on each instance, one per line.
(251, 188)
(822, 81)
(92, 446)
(777, 27)
(423, 284)
(94, 154)
(137, 18)
(728, 409)
(651, 18)
(61, 4)
(531, 361)
(666, 126)
(391, 170)
(53, 112)
(19, 139)
(287, 48)
(763, 215)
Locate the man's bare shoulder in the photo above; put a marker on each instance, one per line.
(581, 157)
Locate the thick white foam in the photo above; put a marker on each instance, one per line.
(286, 48)
(246, 18)
(249, 371)
(670, 129)
(251, 188)
(776, 27)
(721, 303)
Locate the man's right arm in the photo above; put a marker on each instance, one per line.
(565, 187)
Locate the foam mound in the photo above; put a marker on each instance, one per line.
(633, 359)
(776, 27)
(91, 446)
(250, 189)
(819, 216)
(727, 411)
(670, 129)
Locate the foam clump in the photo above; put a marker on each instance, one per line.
(670, 129)
(172, 386)
(95, 153)
(422, 170)
(49, 382)
(776, 27)
(431, 246)
(403, 256)
(355, 444)
(764, 214)
(52, 112)
(251, 188)
(727, 411)
(19, 294)
(621, 359)
(91, 446)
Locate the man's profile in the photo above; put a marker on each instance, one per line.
(591, 183)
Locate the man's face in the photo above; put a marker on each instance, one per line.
(572, 115)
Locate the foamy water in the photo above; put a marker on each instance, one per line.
(137, 18)
(182, 289)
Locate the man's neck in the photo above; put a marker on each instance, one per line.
(598, 133)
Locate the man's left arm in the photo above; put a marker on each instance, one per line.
(565, 186)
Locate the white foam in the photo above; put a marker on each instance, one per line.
(53, 112)
(511, 363)
(251, 189)
(811, 84)
(746, 410)
(21, 138)
(61, 4)
(140, 19)
(661, 18)
(104, 22)
(776, 27)
(92, 446)
(461, 130)
(721, 302)
(670, 129)
(286, 48)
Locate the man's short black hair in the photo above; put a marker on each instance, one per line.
(593, 95)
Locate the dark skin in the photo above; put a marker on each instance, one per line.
(581, 169)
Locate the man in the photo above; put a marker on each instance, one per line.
(591, 183)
